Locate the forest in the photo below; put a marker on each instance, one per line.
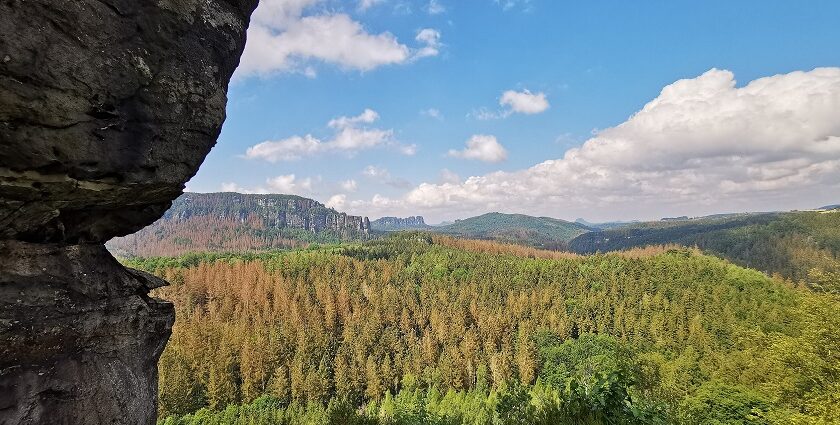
(801, 246)
(422, 328)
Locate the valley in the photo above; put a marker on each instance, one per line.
(427, 328)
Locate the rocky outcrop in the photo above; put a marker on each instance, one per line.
(274, 211)
(396, 223)
(106, 108)
(235, 222)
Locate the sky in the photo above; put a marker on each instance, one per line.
(606, 110)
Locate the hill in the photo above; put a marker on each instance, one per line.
(605, 225)
(240, 222)
(538, 232)
(802, 246)
(420, 328)
(390, 224)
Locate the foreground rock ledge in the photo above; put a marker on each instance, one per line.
(81, 338)
(106, 108)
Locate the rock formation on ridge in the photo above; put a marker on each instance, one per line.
(278, 211)
(237, 222)
(106, 108)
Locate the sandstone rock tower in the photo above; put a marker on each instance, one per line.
(106, 108)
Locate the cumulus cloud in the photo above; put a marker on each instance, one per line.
(282, 38)
(290, 184)
(515, 102)
(430, 38)
(435, 7)
(349, 185)
(337, 201)
(351, 135)
(703, 145)
(481, 147)
(368, 116)
(524, 102)
(287, 184)
(234, 187)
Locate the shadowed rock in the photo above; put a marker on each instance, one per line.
(106, 108)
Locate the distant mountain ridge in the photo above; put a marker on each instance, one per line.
(239, 222)
(279, 211)
(605, 225)
(538, 232)
(803, 246)
(388, 224)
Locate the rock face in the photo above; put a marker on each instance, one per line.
(227, 222)
(106, 108)
(275, 211)
(396, 223)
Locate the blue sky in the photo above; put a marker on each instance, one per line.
(433, 75)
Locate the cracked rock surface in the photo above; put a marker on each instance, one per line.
(107, 107)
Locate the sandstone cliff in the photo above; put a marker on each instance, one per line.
(240, 222)
(275, 211)
(106, 108)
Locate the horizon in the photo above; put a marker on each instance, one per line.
(579, 220)
(610, 112)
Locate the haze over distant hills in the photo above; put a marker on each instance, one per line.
(389, 224)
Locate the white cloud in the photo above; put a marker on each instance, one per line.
(349, 185)
(483, 148)
(233, 187)
(369, 116)
(432, 113)
(382, 175)
(514, 102)
(287, 184)
(703, 145)
(367, 4)
(510, 4)
(374, 171)
(524, 102)
(484, 114)
(350, 137)
(435, 7)
(337, 202)
(282, 38)
(290, 149)
(430, 38)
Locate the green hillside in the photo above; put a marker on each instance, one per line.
(420, 328)
(802, 246)
(538, 232)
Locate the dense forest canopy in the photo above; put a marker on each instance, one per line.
(802, 246)
(418, 328)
